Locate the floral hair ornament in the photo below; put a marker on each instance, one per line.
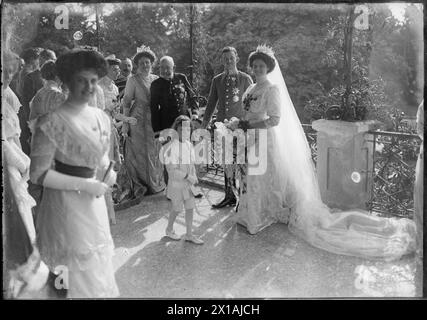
(142, 48)
(110, 57)
(112, 60)
(264, 53)
(264, 49)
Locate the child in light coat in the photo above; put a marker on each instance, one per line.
(179, 159)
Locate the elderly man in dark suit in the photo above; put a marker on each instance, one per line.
(225, 95)
(171, 96)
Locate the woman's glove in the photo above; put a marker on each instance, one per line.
(244, 125)
(95, 187)
(60, 181)
(111, 178)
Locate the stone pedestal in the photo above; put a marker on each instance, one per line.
(344, 162)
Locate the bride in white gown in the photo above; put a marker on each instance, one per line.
(288, 191)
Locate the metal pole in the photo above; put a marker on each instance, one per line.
(348, 53)
(97, 28)
(191, 44)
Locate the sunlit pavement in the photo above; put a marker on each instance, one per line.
(234, 264)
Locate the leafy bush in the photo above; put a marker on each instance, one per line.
(367, 101)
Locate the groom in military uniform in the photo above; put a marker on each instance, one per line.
(225, 94)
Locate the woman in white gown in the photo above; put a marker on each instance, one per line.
(69, 158)
(24, 272)
(288, 190)
(261, 200)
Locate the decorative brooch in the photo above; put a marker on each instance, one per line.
(179, 91)
(236, 94)
(142, 48)
(247, 101)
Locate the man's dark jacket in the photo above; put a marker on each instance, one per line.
(170, 99)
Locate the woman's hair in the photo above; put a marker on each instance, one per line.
(31, 54)
(47, 54)
(48, 70)
(145, 52)
(229, 49)
(113, 62)
(9, 58)
(179, 120)
(265, 54)
(75, 61)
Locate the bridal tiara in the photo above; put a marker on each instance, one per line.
(265, 50)
(142, 48)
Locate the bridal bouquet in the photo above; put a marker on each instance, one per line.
(234, 143)
(227, 126)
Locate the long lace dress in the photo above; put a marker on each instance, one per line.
(141, 151)
(20, 253)
(419, 198)
(419, 179)
(73, 227)
(261, 202)
(290, 181)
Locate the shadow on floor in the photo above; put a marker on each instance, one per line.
(233, 263)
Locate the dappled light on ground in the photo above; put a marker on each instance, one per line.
(235, 264)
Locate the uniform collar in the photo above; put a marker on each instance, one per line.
(225, 74)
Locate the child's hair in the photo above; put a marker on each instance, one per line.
(179, 120)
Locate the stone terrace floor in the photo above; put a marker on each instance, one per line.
(234, 264)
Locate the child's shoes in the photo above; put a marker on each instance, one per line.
(193, 239)
(172, 235)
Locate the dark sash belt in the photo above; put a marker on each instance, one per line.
(76, 171)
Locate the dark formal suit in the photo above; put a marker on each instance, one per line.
(121, 85)
(33, 82)
(30, 84)
(170, 99)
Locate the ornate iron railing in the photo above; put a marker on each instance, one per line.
(395, 157)
(311, 135)
(213, 173)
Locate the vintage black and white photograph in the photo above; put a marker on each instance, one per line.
(212, 150)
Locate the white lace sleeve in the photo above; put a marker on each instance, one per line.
(273, 107)
(273, 102)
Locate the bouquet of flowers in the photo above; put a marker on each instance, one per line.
(226, 129)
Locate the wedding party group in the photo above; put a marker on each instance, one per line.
(77, 125)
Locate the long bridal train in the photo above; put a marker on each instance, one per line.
(353, 232)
